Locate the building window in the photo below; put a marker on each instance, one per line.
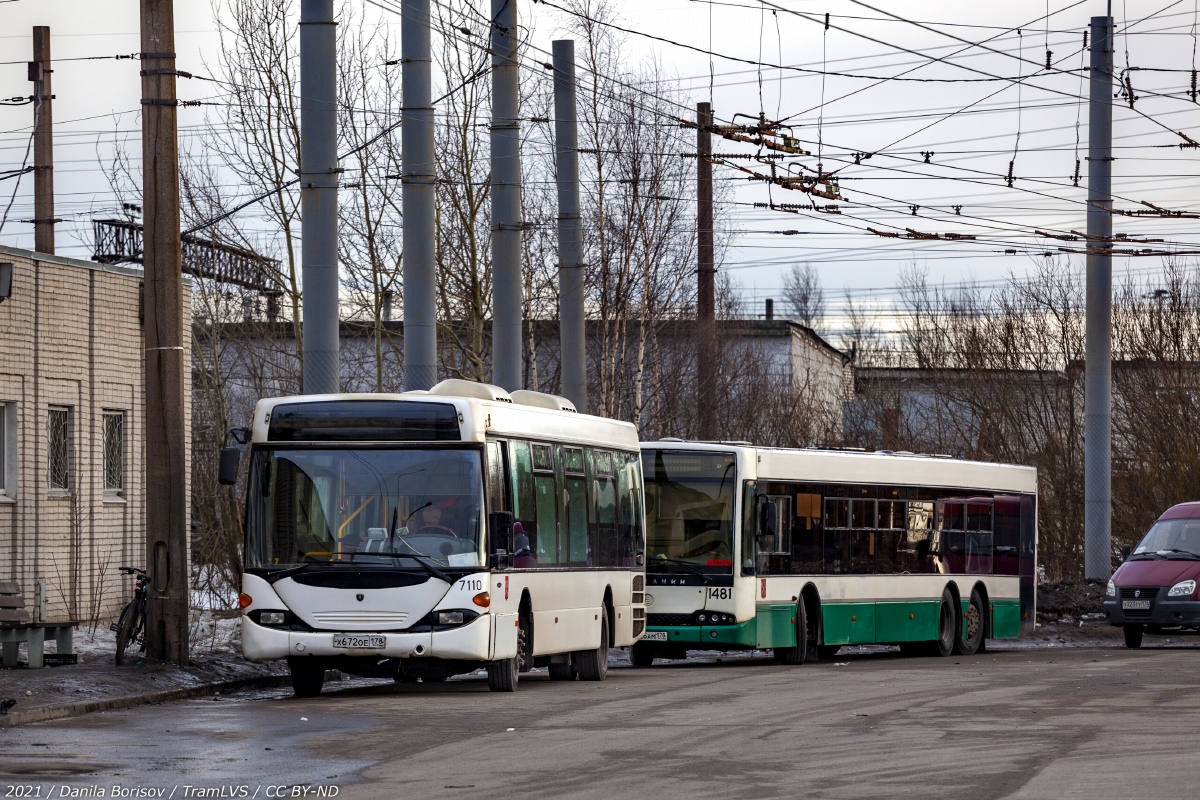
(114, 452)
(7, 447)
(59, 449)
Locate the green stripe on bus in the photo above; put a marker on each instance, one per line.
(776, 625)
(907, 621)
(1006, 619)
(848, 623)
(697, 637)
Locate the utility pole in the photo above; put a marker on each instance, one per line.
(705, 277)
(43, 142)
(1097, 437)
(416, 181)
(506, 198)
(318, 195)
(166, 444)
(572, 331)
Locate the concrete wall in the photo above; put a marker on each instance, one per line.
(70, 336)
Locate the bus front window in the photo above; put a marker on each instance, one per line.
(689, 510)
(369, 506)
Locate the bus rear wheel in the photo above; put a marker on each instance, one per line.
(308, 676)
(563, 670)
(969, 645)
(593, 664)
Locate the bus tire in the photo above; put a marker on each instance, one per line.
(797, 655)
(308, 676)
(970, 644)
(503, 674)
(593, 664)
(563, 671)
(948, 626)
(640, 655)
(1133, 636)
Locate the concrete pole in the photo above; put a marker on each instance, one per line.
(706, 422)
(417, 182)
(572, 332)
(506, 198)
(1097, 487)
(166, 443)
(318, 195)
(43, 142)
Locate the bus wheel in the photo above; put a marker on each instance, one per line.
(1133, 636)
(947, 626)
(502, 675)
(563, 671)
(308, 676)
(641, 655)
(593, 664)
(796, 655)
(969, 645)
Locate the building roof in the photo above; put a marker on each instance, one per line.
(127, 270)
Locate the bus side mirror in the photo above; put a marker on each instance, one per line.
(231, 462)
(500, 531)
(1125, 549)
(768, 518)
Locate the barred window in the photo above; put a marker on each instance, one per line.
(114, 451)
(59, 448)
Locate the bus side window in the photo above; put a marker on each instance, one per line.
(524, 508)
(545, 490)
(632, 517)
(575, 512)
(1007, 535)
(916, 556)
(979, 538)
(497, 494)
(602, 532)
(837, 537)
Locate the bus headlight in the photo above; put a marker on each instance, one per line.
(450, 618)
(1182, 589)
(271, 617)
(1111, 591)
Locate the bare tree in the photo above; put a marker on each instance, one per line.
(803, 295)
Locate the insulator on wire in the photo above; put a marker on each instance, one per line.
(1048, 55)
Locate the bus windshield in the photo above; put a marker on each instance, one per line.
(689, 510)
(364, 505)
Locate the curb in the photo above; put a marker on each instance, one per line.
(12, 720)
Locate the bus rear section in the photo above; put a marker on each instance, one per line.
(826, 549)
(380, 540)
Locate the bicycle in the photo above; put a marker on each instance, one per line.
(131, 627)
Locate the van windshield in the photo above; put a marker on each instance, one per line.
(1171, 538)
(366, 505)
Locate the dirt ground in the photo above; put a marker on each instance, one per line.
(1069, 600)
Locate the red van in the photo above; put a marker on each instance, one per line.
(1155, 590)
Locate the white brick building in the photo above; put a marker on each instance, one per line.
(72, 502)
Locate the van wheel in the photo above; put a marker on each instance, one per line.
(308, 676)
(1133, 636)
(593, 664)
(969, 645)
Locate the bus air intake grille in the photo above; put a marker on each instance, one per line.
(638, 627)
(381, 618)
(672, 619)
(639, 583)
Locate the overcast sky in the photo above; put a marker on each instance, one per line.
(973, 127)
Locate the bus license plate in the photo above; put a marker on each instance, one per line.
(655, 636)
(353, 641)
(1135, 605)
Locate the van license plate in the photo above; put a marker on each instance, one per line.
(655, 636)
(353, 641)
(1135, 605)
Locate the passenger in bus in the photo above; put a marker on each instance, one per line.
(523, 557)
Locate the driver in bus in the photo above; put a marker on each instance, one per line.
(431, 521)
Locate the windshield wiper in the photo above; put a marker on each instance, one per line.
(1192, 556)
(420, 559)
(689, 567)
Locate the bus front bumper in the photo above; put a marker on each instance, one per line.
(471, 642)
(743, 635)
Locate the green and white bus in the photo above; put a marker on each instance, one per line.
(804, 551)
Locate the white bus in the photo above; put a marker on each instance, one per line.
(804, 551)
(427, 534)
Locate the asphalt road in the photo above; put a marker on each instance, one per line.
(1059, 723)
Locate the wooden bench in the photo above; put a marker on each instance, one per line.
(16, 627)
